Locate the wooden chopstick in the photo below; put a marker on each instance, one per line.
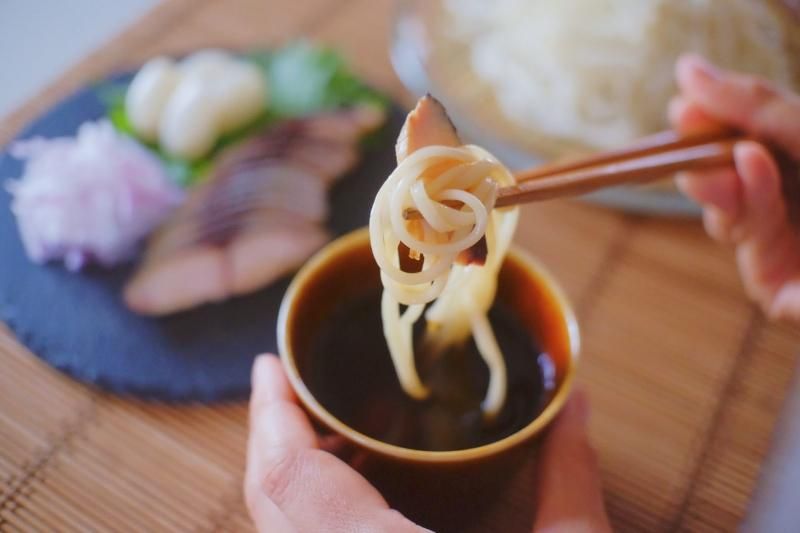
(658, 142)
(648, 159)
(640, 169)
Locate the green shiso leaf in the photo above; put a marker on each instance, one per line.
(302, 78)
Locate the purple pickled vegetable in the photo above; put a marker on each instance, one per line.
(92, 197)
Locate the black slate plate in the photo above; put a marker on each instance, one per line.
(79, 324)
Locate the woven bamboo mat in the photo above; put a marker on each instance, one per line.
(685, 376)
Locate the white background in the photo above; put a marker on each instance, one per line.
(39, 39)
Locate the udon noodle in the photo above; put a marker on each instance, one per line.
(604, 67)
(463, 293)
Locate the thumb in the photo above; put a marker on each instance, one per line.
(743, 101)
(569, 493)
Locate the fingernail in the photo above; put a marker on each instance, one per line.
(259, 366)
(758, 169)
(704, 71)
(675, 108)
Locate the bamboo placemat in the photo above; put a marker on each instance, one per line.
(685, 376)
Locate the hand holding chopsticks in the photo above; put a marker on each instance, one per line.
(652, 158)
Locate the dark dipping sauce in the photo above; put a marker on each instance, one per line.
(335, 336)
(354, 378)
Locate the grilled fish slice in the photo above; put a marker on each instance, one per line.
(325, 144)
(179, 281)
(257, 218)
(268, 249)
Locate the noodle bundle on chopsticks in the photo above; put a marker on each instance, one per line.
(445, 244)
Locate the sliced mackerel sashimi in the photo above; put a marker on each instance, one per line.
(258, 217)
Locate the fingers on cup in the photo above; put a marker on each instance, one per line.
(275, 418)
(266, 516)
(569, 429)
(289, 480)
(277, 425)
(569, 492)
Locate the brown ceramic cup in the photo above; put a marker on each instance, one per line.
(344, 269)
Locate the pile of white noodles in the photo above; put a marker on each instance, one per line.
(463, 293)
(600, 72)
